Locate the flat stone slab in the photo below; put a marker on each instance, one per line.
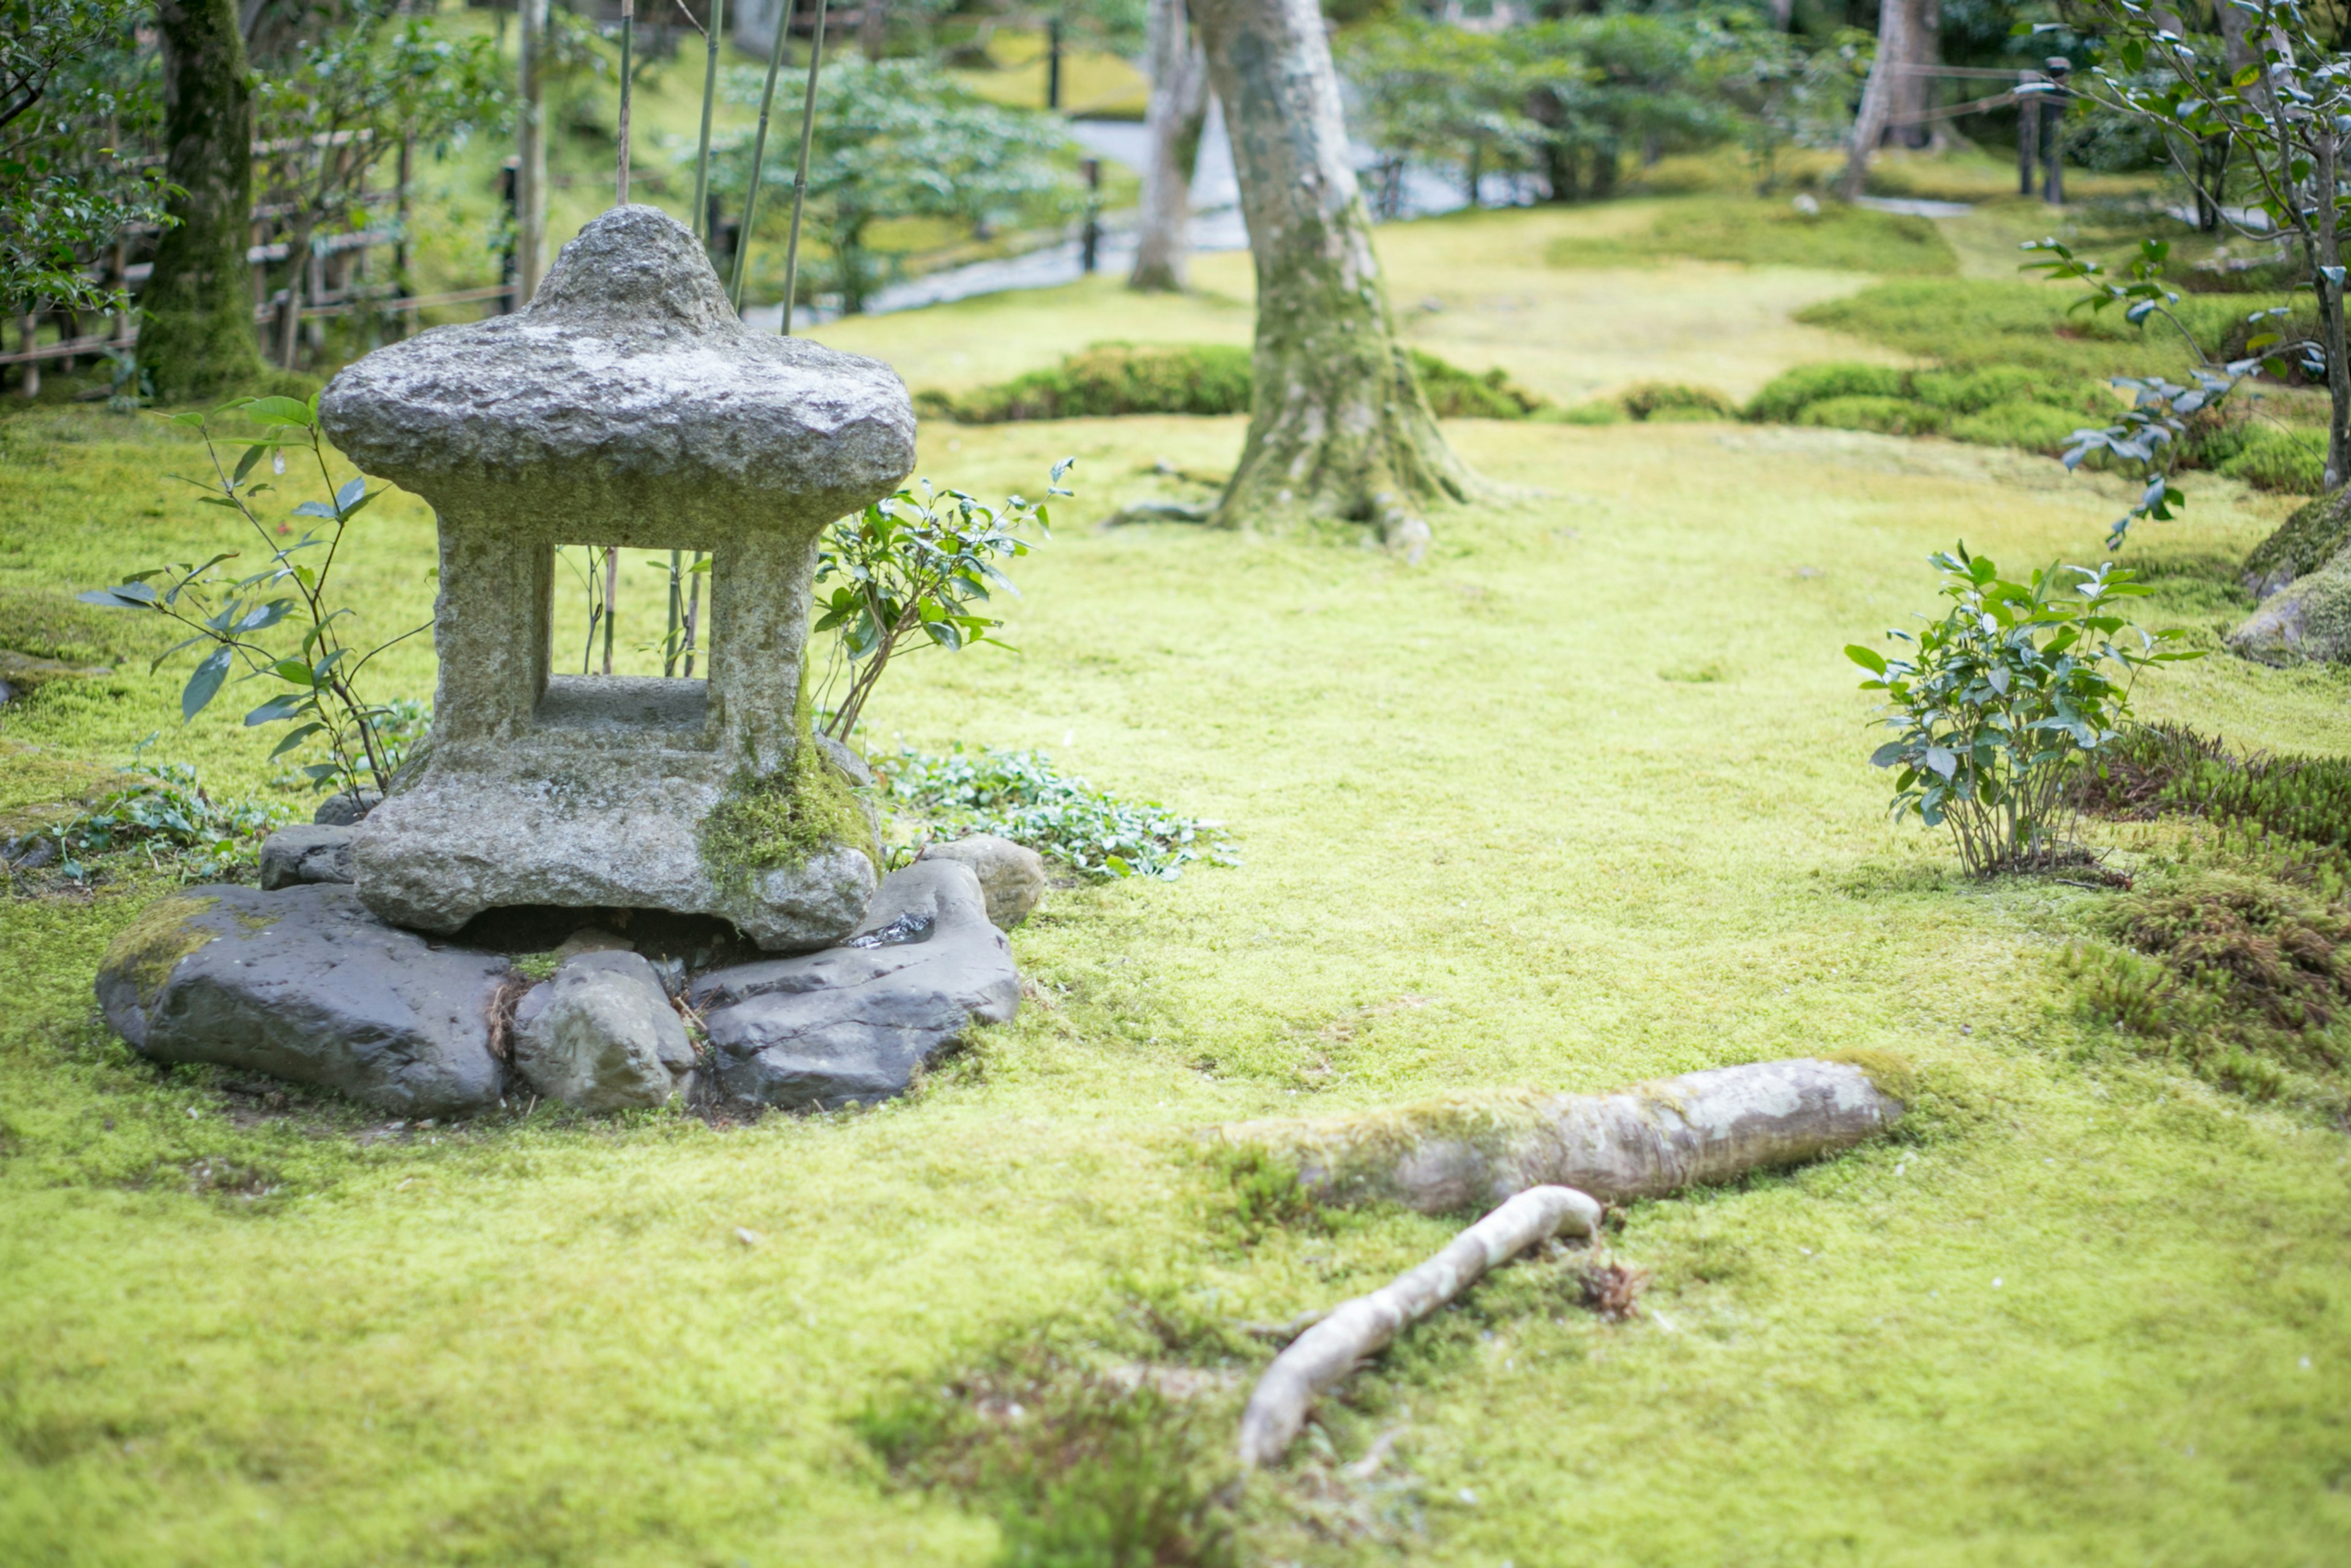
(853, 1025)
(303, 983)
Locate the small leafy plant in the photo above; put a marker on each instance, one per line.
(1017, 795)
(163, 811)
(226, 614)
(915, 564)
(2012, 692)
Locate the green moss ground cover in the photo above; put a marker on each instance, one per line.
(1579, 800)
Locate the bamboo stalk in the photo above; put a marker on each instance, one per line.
(612, 588)
(669, 644)
(693, 611)
(759, 155)
(627, 48)
(800, 176)
(709, 98)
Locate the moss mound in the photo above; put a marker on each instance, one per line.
(1112, 379)
(1889, 416)
(1776, 233)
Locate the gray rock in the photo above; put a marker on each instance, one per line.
(852, 768)
(627, 406)
(342, 811)
(306, 851)
(305, 984)
(601, 1035)
(1012, 876)
(853, 1025)
(2309, 619)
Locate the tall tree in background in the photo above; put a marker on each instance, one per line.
(1179, 105)
(1897, 21)
(1339, 427)
(196, 334)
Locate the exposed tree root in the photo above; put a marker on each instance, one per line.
(1325, 1353)
(1466, 1151)
(1551, 1160)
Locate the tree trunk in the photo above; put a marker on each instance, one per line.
(1879, 94)
(1441, 1156)
(872, 28)
(196, 334)
(1179, 103)
(1339, 427)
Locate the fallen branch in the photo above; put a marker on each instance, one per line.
(1320, 1358)
(1442, 1156)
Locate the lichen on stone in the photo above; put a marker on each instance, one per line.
(148, 948)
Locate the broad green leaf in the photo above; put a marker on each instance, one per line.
(205, 684)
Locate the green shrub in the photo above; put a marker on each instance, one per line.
(1791, 392)
(1889, 416)
(2010, 694)
(2274, 459)
(1456, 393)
(2034, 426)
(1112, 379)
(1599, 411)
(1668, 401)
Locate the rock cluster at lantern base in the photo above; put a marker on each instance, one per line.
(445, 950)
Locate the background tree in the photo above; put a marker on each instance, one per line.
(1338, 425)
(1178, 110)
(195, 334)
(1897, 20)
(74, 91)
(2279, 94)
(349, 99)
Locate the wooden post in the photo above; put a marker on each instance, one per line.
(28, 327)
(1089, 238)
(402, 280)
(2028, 131)
(2053, 130)
(1053, 63)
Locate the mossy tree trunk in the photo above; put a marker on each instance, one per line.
(196, 334)
(1338, 425)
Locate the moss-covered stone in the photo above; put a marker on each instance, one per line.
(2305, 541)
(150, 947)
(2309, 620)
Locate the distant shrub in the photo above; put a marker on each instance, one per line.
(1599, 411)
(1672, 401)
(1456, 393)
(2034, 427)
(1888, 415)
(1973, 391)
(2274, 459)
(1112, 379)
(1791, 392)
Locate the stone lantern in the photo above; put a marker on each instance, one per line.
(628, 406)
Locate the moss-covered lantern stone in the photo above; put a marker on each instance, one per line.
(627, 405)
